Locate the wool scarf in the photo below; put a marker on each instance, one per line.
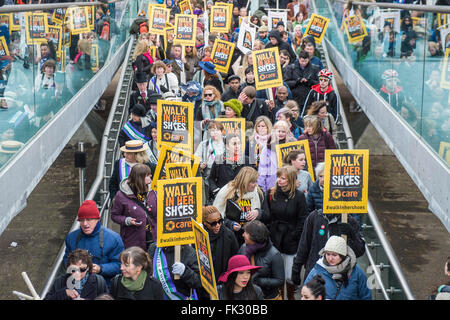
(135, 285)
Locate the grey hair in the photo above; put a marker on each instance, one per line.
(320, 167)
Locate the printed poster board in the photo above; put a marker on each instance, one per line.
(15, 22)
(283, 149)
(94, 58)
(391, 17)
(445, 76)
(233, 125)
(6, 18)
(175, 124)
(55, 34)
(178, 170)
(179, 201)
(346, 181)
(267, 68)
(169, 34)
(274, 17)
(3, 47)
(36, 27)
(354, 28)
(91, 16)
(246, 38)
(222, 53)
(220, 21)
(230, 9)
(172, 155)
(59, 15)
(204, 259)
(157, 20)
(317, 27)
(185, 7)
(78, 20)
(445, 38)
(185, 29)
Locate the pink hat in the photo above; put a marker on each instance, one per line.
(237, 263)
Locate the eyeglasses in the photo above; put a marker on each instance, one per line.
(215, 223)
(209, 94)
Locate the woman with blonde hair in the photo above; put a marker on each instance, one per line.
(287, 211)
(240, 201)
(268, 162)
(142, 60)
(247, 61)
(319, 108)
(136, 281)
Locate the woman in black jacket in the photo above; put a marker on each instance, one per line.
(79, 283)
(136, 281)
(165, 268)
(286, 206)
(259, 250)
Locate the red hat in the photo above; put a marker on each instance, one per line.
(238, 263)
(88, 210)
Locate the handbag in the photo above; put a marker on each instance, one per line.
(233, 211)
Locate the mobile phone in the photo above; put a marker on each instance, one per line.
(138, 223)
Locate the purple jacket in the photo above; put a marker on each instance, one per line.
(267, 169)
(123, 207)
(318, 145)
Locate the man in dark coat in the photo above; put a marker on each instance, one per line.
(138, 128)
(141, 96)
(275, 40)
(318, 228)
(300, 76)
(252, 107)
(234, 90)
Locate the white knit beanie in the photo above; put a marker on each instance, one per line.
(336, 244)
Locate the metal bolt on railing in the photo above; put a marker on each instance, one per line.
(373, 244)
(366, 226)
(393, 290)
(381, 266)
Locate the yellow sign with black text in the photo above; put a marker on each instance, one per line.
(283, 150)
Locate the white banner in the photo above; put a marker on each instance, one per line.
(246, 38)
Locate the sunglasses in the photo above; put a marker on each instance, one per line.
(215, 223)
(209, 94)
(80, 269)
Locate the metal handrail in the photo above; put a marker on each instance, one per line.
(370, 211)
(95, 185)
(412, 7)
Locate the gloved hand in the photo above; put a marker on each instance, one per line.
(295, 275)
(178, 268)
(345, 228)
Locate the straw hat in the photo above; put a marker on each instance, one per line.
(10, 146)
(134, 146)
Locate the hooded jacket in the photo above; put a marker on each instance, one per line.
(294, 73)
(318, 228)
(329, 95)
(280, 44)
(125, 207)
(355, 289)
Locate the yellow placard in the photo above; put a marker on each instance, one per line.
(346, 181)
(55, 34)
(267, 68)
(6, 18)
(15, 22)
(179, 201)
(178, 170)
(175, 124)
(444, 151)
(157, 20)
(185, 29)
(169, 33)
(222, 53)
(230, 9)
(317, 27)
(185, 7)
(355, 29)
(36, 27)
(219, 20)
(94, 58)
(204, 259)
(91, 17)
(78, 18)
(234, 126)
(173, 155)
(283, 149)
(59, 15)
(3, 47)
(445, 75)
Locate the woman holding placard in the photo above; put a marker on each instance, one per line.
(297, 159)
(162, 82)
(258, 139)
